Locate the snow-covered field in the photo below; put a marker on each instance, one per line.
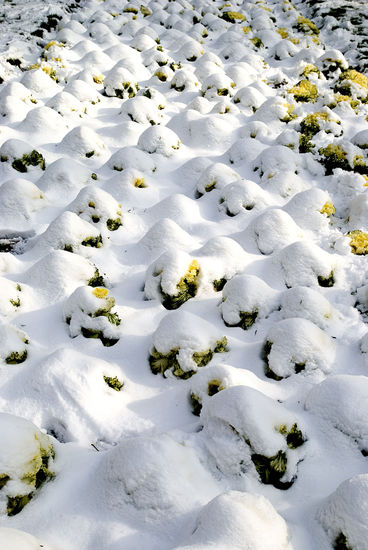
(184, 288)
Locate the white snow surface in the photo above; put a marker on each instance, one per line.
(139, 140)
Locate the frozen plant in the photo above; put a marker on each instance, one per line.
(182, 343)
(21, 155)
(120, 82)
(246, 299)
(296, 345)
(82, 142)
(274, 160)
(215, 176)
(274, 229)
(142, 110)
(159, 139)
(247, 432)
(309, 304)
(26, 460)
(243, 196)
(97, 206)
(89, 311)
(173, 279)
(13, 345)
(70, 232)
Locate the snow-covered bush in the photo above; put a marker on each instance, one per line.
(238, 520)
(324, 120)
(88, 311)
(304, 263)
(143, 472)
(59, 273)
(64, 178)
(352, 83)
(14, 538)
(249, 97)
(21, 155)
(246, 299)
(10, 299)
(69, 232)
(295, 345)
(344, 515)
(142, 110)
(159, 139)
(26, 459)
(131, 157)
(184, 79)
(13, 345)
(274, 229)
(217, 84)
(19, 199)
(275, 159)
(247, 432)
(82, 91)
(66, 104)
(215, 176)
(173, 279)
(182, 343)
(97, 206)
(311, 208)
(120, 82)
(243, 195)
(309, 304)
(342, 401)
(82, 142)
(275, 108)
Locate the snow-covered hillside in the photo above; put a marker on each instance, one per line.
(184, 288)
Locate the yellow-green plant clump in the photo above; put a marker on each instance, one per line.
(358, 242)
(304, 91)
(187, 288)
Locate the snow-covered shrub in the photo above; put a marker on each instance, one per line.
(275, 108)
(59, 273)
(274, 229)
(39, 119)
(352, 83)
(220, 258)
(82, 142)
(131, 157)
(88, 311)
(311, 208)
(69, 232)
(143, 472)
(184, 79)
(324, 120)
(242, 196)
(247, 432)
(249, 97)
(331, 61)
(95, 205)
(26, 459)
(64, 178)
(159, 139)
(189, 51)
(275, 159)
(295, 345)
(217, 84)
(13, 345)
(182, 343)
(121, 83)
(235, 519)
(342, 401)
(246, 299)
(215, 176)
(10, 299)
(82, 91)
(142, 110)
(19, 199)
(21, 155)
(66, 104)
(307, 303)
(304, 91)
(358, 242)
(305, 263)
(344, 514)
(14, 538)
(40, 82)
(173, 279)
(157, 98)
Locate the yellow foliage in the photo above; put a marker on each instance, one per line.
(100, 292)
(358, 242)
(328, 209)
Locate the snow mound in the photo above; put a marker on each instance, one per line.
(12, 539)
(159, 139)
(274, 229)
(345, 513)
(295, 345)
(240, 521)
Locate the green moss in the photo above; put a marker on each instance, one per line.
(271, 469)
(114, 224)
(17, 503)
(334, 156)
(187, 288)
(95, 242)
(33, 159)
(4, 478)
(96, 280)
(304, 91)
(16, 357)
(113, 383)
(341, 542)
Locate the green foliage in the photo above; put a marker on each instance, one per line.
(271, 469)
(334, 156)
(187, 288)
(248, 318)
(114, 224)
(95, 242)
(17, 503)
(218, 284)
(90, 333)
(113, 383)
(90, 154)
(341, 542)
(96, 280)
(4, 478)
(33, 159)
(16, 357)
(326, 282)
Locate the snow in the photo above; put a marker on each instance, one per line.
(208, 159)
